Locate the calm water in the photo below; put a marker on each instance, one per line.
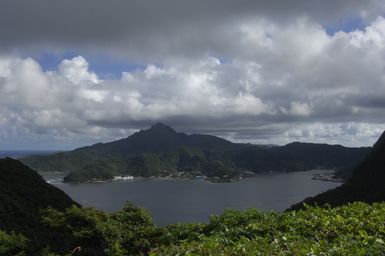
(172, 201)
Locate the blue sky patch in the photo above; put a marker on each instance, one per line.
(105, 67)
(347, 24)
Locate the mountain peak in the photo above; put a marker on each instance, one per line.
(161, 127)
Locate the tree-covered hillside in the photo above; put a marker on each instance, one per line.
(23, 194)
(367, 183)
(160, 151)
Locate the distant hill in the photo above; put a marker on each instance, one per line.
(367, 183)
(162, 152)
(23, 194)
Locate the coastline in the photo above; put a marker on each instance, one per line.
(327, 176)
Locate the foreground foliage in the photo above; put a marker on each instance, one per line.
(129, 231)
(354, 229)
(12, 244)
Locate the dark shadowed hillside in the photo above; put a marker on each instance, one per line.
(367, 183)
(23, 194)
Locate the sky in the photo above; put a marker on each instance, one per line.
(73, 73)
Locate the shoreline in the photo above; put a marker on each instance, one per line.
(325, 176)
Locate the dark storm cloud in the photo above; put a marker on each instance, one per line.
(145, 29)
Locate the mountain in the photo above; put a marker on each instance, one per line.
(161, 138)
(367, 183)
(299, 156)
(161, 151)
(23, 194)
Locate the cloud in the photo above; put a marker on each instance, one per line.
(76, 71)
(260, 71)
(152, 31)
(299, 108)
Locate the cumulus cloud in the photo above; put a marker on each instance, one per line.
(249, 72)
(76, 71)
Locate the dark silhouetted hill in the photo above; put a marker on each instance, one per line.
(367, 183)
(23, 194)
